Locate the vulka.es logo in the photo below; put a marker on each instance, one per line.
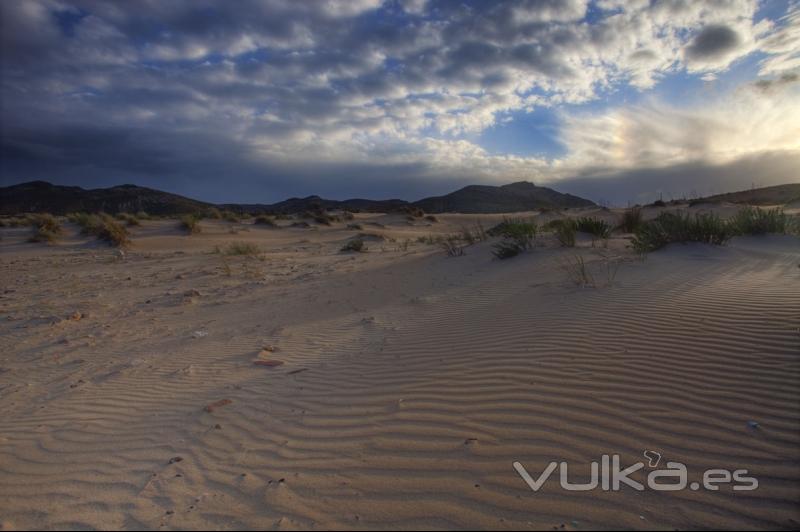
(609, 475)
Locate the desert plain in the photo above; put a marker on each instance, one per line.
(184, 384)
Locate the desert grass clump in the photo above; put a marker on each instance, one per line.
(578, 272)
(241, 248)
(631, 219)
(130, 220)
(355, 245)
(190, 223)
(671, 227)
(109, 230)
(323, 218)
(452, 246)
(230, 216)
(507, 249)
(212, 213)
(45, 221)
(263, 219)
(43, 235)
(89, 223)
(518, 236)
(431, 218)
(412, 212)
(348, 216)
(46, 228)
(564, 230)
(594, 226)
(755, 221)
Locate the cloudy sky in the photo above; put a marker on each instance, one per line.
(255, 101)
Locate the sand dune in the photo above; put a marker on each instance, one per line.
(410, 382)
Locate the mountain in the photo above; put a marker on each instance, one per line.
(40, 196)
(521, 196)
(776, 195)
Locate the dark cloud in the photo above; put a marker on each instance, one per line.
(712, 42)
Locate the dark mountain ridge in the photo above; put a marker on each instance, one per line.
(40, 196)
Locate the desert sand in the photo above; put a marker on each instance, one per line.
(395, 387)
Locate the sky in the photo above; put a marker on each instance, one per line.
(256, 101)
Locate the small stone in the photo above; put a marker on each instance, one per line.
(176, 459)
(76, 316)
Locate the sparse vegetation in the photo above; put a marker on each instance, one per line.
(356, 245)
(190, 223)
(355, 227)
(631, 219)
(671, 227)
(431, 218)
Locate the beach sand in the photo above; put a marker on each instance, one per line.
(400, 384)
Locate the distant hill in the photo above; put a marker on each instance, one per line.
(40, 196)
(776, 195)
(516, 197)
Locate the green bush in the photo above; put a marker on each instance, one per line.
(671, 227)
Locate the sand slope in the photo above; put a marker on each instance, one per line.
(410, 383)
